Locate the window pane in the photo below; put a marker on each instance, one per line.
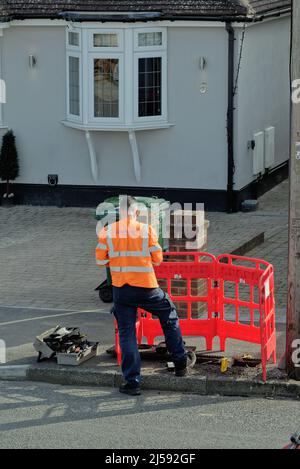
(106, 40)
(106, 87)
(150, 82)
(74, 39)
(74, 88)
(150, 39)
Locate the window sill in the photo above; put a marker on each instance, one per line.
(118, 128)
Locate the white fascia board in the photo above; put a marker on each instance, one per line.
(192, 24)
(150, 24)
(110, 24)
(38, 22)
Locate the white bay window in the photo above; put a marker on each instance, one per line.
(117, 78)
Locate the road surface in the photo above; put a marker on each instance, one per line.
(38, 415)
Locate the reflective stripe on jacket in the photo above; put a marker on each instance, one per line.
(129, 249)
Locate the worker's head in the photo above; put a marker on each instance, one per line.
(128, 207)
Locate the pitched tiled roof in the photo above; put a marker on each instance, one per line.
(264, 6)
(21, 9)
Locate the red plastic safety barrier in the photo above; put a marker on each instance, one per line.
(238, 299)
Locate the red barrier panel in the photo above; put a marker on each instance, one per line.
(238, 299)
(246, 286)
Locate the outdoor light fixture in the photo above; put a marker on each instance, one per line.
(203, 88)
(203, 66)
(202, 63)
(32, 61)
(251, 144)
(52, 180)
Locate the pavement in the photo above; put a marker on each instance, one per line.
(48, 277)
(38, 415)
(22, 326)
(271, 219)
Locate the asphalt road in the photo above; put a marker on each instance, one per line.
(20, 326)
(50, 416)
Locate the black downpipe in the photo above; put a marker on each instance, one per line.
(230, 120)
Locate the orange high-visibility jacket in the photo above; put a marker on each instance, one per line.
(129, 248)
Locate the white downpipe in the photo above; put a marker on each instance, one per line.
(93, 157)
(135, 155)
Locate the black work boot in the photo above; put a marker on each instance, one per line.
(182, 367)
(132, 389)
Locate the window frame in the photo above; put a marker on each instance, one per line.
(164, 104)
(128, 53)
(72, 47)
(118, 32)
(73, 117)
(91, 98)
(138, 31)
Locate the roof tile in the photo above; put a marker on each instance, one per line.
(15, 9)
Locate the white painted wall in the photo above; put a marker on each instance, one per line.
(192, 154)
(263, 93)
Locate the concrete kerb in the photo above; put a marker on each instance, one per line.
(202, 385)
(14, 373)
(249, 245)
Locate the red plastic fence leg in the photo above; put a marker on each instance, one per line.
(222, 344)
(209, 343)
(117, 345)
(264, 373)
(119, 353)
(274, 356)
(264, 365)
(150, 340)
(139, 332)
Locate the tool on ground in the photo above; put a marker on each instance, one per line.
(224, 364)
(170, 366)
(246, 361)
(64, 341)
(191, 361)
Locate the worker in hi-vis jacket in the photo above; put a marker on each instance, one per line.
(130, 249)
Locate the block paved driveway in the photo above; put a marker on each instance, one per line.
(47, 253)
(47, 258)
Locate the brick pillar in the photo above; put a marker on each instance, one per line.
(179, 242)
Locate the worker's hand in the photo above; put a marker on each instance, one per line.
(156, 264)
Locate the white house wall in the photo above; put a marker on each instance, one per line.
(192, 154)
(263, 93)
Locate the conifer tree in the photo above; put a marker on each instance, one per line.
(9, 162)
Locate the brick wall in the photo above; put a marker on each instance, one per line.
(180, 241)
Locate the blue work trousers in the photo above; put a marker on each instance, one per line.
(127, 300)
